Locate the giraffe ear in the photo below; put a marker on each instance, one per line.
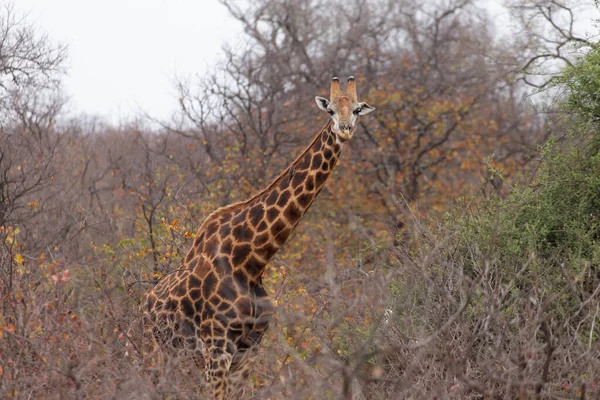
(365, 108)
(322, 102)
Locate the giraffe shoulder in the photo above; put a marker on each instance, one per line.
(203, 265)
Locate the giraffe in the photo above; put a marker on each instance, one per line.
(215, 305)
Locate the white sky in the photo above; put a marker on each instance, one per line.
(123, 55)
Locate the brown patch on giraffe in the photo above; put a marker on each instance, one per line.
(201, 267)
(261, 239)
(225, 217)
(241, 278)
(277, 227)
(211, 229)
(206, 327)
(299, 178)
(262, 297)
(215, 300)
(256, 214)
(196, 294)
(285, 182)
(227, 289)
(187, 307)
(282, 236)
(244, 306)
(179, 289)
(254, 267)
(292, 213)
(226, 247)
(283, 198)
(304, 200)
(310, 183)
(193, 282)
(272, 213)
(305, 163)
(262, 226)
(171, 305)
(327, 154)
(272, 198)
(242, 233)
(231, 314)
(316, 161)
(222, 266)
(224, 230)
(233, 334)
(239, 217)
(211, 246)
(240, 253)
(267, 251)
(208, 286)
(236, 324)
(320, 178)
(325, 166)
(262, 322)
(199, 304)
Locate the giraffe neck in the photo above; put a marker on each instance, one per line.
(240, 239)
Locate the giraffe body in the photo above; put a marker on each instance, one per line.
(215, 305)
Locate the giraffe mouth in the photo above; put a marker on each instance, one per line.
(345, 135)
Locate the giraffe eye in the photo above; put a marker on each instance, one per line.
(356, 111)
(330, 111)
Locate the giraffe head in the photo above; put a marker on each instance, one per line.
(344, 108)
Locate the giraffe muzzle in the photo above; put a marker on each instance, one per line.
(345, 134)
